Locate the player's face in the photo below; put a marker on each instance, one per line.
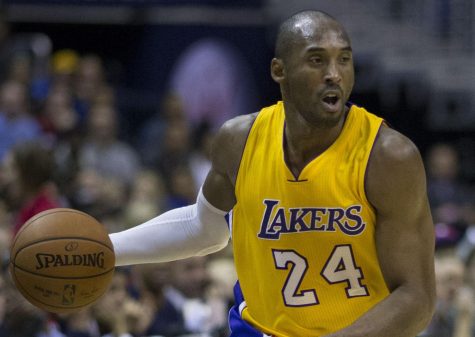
(318, 76)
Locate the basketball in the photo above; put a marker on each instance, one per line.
(62, 260)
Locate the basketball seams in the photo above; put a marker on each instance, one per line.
(48, 212)
(62, 277)
(61, 238)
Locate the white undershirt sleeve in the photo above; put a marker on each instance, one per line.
(198, 229)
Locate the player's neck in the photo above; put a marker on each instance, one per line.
(303, 144)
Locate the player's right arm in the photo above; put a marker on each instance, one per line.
(198, 229)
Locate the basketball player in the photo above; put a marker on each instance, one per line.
(326, 206)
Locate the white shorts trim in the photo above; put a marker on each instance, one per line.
(241, 307)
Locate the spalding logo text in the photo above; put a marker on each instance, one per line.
(61, 260)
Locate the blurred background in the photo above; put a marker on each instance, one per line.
(110, 106)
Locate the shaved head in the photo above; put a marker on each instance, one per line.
(303, 25)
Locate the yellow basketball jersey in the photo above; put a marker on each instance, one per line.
(305, 247)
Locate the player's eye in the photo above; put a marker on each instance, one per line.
(316, 59)
(345, 58)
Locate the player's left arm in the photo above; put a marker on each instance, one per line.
(396, 187)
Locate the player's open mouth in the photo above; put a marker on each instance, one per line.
(331, 101)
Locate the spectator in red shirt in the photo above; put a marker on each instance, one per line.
(28, 174)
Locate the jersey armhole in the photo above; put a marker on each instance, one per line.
(368, 159)
(238, 173)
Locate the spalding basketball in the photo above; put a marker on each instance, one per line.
(62, 260)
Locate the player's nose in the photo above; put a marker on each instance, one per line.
(332, 74)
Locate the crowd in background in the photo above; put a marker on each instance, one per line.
(61, 146)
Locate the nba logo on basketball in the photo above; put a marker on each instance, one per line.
(69, 291)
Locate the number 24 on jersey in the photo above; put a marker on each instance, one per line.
(340, 267)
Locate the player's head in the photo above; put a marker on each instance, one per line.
(303, 25)
(313, 65)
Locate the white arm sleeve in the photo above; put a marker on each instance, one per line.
(198, 229)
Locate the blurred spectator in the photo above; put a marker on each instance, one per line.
(190, 277)
(102, 150)
(110, 207)
(220, 296)
(470, 269)
(455, 310)
(22, 319)
(61, 124)
(87, 190)
(448, 193)
(101, 196)
(89, 82)
(466, 246)
(5, 230)
(3, 307)
(175, 148)
(58, 116)
(79, 324)
(466, 250)
(449, 277)
(29, 62)
(19, 69)
(167, 320)
(16, 123)
(5, 43)
(189, 295)
(200, 158)
(147, 198)
(58, 71)
(29, 180)
(117, 313)
(152, 136)
(214, 82)
(182, 188)
(24, 57)
(223, 276)
(470, 258)
(64, 65)
(444, 183)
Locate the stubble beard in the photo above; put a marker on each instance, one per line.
(320, 119)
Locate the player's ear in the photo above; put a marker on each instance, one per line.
(277, 70)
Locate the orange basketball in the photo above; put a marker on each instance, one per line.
(62, 260)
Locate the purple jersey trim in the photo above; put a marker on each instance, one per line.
(238, 326)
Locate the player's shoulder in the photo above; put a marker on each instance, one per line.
(230, 141)
(392, 147)
(395, 164)
(237, 128)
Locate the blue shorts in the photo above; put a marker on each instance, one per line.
(238, 326)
